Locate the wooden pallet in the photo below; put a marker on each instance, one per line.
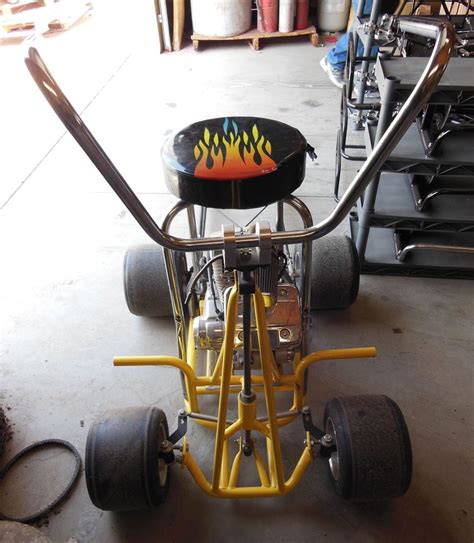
(8, 9)
(65, 16)
(24, 23)
(254, 37)
(49, 16)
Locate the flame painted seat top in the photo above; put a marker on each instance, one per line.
(235, 162)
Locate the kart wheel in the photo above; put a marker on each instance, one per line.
(373, 458)
(335, 273)
(123, 469)
(145, 281)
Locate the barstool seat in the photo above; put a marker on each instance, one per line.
(235, 162)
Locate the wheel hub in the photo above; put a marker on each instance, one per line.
(334, 458)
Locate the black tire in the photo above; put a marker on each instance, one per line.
(123, 469)
(145, 281)
(373, 460)
(335, 273)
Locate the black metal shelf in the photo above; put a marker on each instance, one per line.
(428, 192)
(456, 85)
(395, 208)
(380, 256)
(409, 156)
(416, 217)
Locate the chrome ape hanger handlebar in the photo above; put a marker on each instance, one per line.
(441, 31)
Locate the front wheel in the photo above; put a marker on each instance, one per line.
(123, 467)
(372, 459)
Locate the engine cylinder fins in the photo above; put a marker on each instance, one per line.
(223, 279)
(266, 277)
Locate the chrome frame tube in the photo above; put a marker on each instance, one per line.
(306, 268)
(179, 311)
(193, 232)
(202, 222)
(445, 38)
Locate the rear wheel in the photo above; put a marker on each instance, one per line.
(145, 281)
(335, 273)
(372, 460)
(123, 467)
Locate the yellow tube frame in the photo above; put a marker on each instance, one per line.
(222, 382)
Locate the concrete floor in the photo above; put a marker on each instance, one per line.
(63, 236)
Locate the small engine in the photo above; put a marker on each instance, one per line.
(266, 277)
(283, 312)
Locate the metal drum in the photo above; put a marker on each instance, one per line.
(221, 18)
(287, 15)
(332, 15)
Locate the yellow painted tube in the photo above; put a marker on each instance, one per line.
(320, 356)
(190, 377)
(275, 369)
(225, 465)
(285, 421)
(209, 355)
(297, 397)
(262, 472)
(218, 368)
(258, 389)
(237, 425)
(191, 351)
(257, 380)
(200, 381)
(234, 474)
(271, 468)
(204, 391)
(160, 361)
(181, 343)
(250, 492)
(206, 423)
(198, 475)
(305, 460)
(232, 491)
(261, 427)
(266, 356)
(332, 354)
(247, 414)
(226, 352)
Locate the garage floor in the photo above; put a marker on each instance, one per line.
(63, 237)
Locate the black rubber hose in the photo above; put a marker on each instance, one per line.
(40, 444)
